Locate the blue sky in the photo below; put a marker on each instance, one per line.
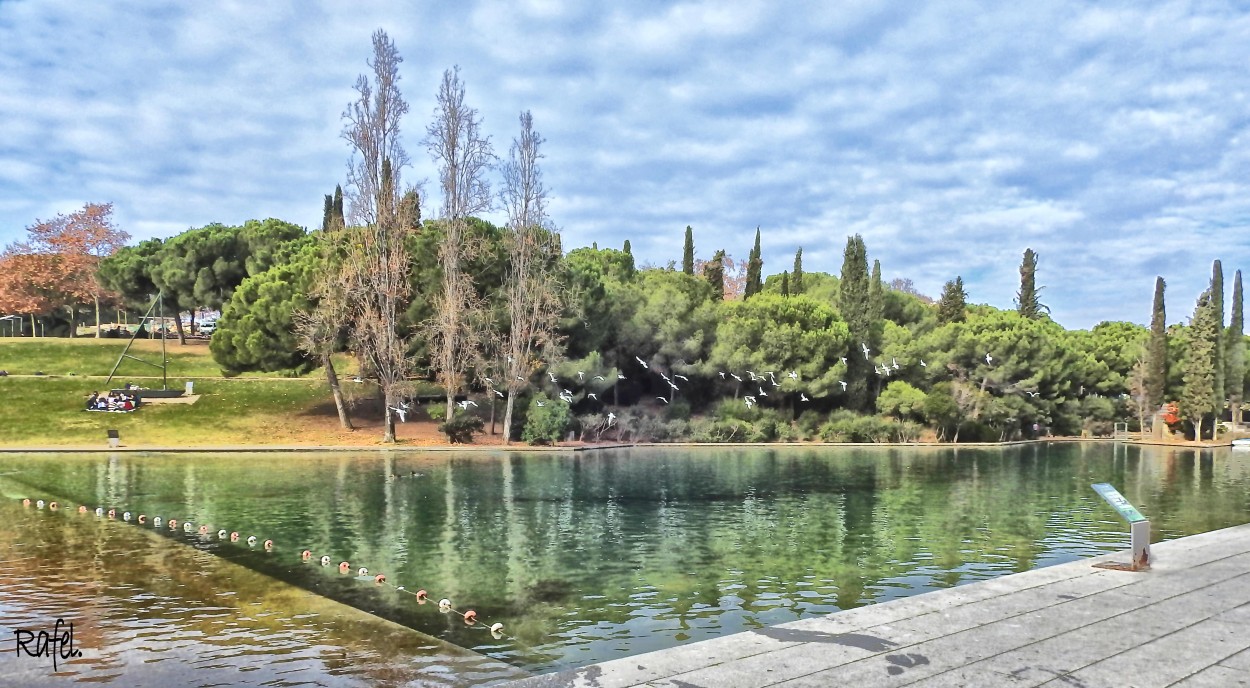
(1110, 137)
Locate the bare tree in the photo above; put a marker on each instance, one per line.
(532, 289)
(375, 261)
(464, 156)
(317, 332)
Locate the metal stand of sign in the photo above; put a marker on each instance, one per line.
(1139, 529)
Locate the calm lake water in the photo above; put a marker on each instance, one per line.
(583, 557)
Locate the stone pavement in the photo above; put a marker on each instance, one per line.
(1185, 623)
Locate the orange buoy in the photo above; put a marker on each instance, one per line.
(26, 502)
(268, 545)
(421, 595)
(380, 578)
(203, 530)
(344, 567)
(234, 537)
(112, 513)
(52, 506)
(362, 571)
(82, 509)
(173, 524)
(470, 617)
(305, 555)
(143, 519)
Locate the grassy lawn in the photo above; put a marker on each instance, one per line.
(253, 409)
(90, 356)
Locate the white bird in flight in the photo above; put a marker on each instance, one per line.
(802, 397)
(581, 375)
(611, 417)
(866, 350)
(464, 405)
(722, 375)
(923, 364)
(620, 376)
(597, 377)
(402, 413)
(793, 375)
(735, 377)
(843, 383)
(988, 359)
(498, 393)
(594, 396)
(683, 377)
(644, 363)
(662, 399)
(541, 404)
(552, 376)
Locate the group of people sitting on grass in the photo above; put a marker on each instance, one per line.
(112, 401)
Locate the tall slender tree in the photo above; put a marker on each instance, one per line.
(755, 266)
(1235, 354)
(853, 304)
(952, 306)
(373, 274)
(1026, 299)
(1217, 307)
(876, 296)
(1199, 395)
(1157, 351)
(687, 252)
(626, 249)
(785, 284)
(532, 290)
(796, 275)
(464, 156)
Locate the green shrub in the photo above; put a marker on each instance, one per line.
(436, 410)
(809, 423)
(461, 428)
(678, 410)
(545, 424)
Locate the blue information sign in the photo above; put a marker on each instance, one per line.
(1118, 502)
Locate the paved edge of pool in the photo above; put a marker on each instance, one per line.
(1186, 622)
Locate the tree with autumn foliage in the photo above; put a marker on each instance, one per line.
(58, 264)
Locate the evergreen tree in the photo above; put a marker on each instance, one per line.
(1217, 306)
(796, 276)
(854, 307)
(1235, 353)
(714, 273)
(1026, 299)
(755, 266)
(338, 206)
(327, 213)
(876, 296)
(785, 284)
(1157, 353)
(954, 302)
(687, 252)
(626, 250)
(1198, 394)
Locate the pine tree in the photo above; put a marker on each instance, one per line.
(854, 307)
(796, 276)
(755, 266)
(1157, 353)
(785, 284)
(1198, 397)
(1217, 306)
(626, 248)
(952, 307)
(1026, 299)
(1235, 354)
(687, 252)
(714, 273)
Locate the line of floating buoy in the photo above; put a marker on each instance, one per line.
(172, 524)
(422, 596)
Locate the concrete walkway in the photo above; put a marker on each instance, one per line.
(1184, 623)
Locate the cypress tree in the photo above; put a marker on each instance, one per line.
(626, 248)
(1199, 397)
(796, 276)
(785, 284)
(876, 296)
(1217, 306)
(854, 307)
(1235, 354)
(687, 252)
(755, 266)
(338, 206)
(327, 214)
(952, 307)
(714, 273)
(1026, 299)
(1157, 353)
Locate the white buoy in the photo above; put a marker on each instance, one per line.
(187, 527)
(222, 534)
(126, 516)
(325, 561)
(362, 571)
(156, 521)
(99, 511)
(496, 627)
(444, 604)
(251, 541)
(39, 504)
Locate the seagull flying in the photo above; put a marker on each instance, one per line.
(722, 375)
(464, 405)
(793, 375)
(894, 361)
(802, 397)
(488, 381)
(581, 375)
(597, 377)
(541, 404)
(662, 399)
(620, 376)
(402, 413)
(762, 392)
(594, 396)
(644, 363)
(843, 383)
(498, 393)
(988, 359)
(611, 417)
(683, 377)
(923, 364)
(866, 350)
(735, 377)
(552, 376)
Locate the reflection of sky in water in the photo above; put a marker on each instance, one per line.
(587, 557)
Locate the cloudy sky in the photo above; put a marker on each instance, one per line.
(1110, 137)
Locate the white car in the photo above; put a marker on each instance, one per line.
(208, 327)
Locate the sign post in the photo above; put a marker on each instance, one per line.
(1139, 525)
